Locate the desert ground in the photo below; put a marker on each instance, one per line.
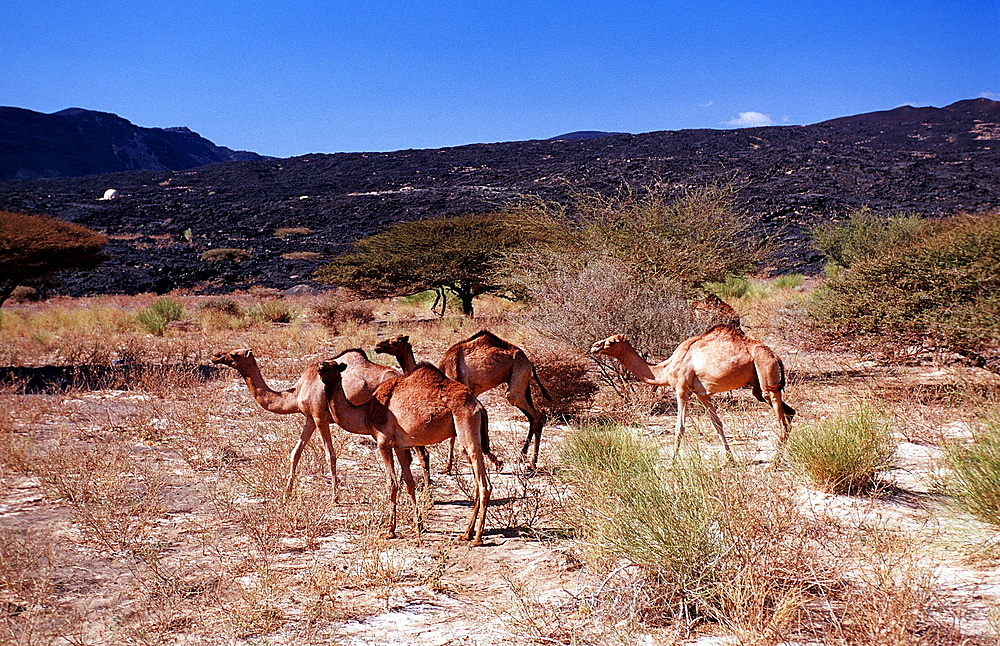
(147, 509)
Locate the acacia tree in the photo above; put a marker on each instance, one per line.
(463, 254)
(35, 246)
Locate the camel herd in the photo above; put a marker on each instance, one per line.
(426, 404)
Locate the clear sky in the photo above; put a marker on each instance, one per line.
(301, 76)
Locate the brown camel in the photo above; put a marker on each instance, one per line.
(360, 378)
(418, 409)
(307, 397)
(482, 362)
(721, 359)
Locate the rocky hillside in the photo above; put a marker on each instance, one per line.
(287, 215)
(75, 142)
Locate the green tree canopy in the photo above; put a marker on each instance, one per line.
(33, 246)
(463, 254)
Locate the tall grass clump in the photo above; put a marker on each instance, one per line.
(976, 472)
(844, 453)
(707, 542)
(156, 317)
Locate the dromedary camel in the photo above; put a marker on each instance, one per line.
(307, 397)
(361, 377)
(721, 359)
(482, 362)
(419, 409)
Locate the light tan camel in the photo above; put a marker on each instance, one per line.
(418, 409)
(721, 359)
(482, 362)
(307, 397)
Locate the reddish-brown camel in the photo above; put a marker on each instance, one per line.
(419, 409)
(307, 397)
(482, 362)
(361, 377)
(721, 359)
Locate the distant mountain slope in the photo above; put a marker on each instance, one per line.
(76, 142)
(933, 161)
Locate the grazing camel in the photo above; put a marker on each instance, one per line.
(482, 362)
(418, 409)
(307, 397)
(721, 359)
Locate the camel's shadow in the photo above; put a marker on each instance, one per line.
(34, 380)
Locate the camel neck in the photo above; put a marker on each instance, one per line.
(644, 372)
(406, 360)
(267, 398)
(349, 417)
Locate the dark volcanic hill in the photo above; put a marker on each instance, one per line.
(933, 161)
(75, 142)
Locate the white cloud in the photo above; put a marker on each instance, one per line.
(750, 120)
(706, 105)
(990, 95)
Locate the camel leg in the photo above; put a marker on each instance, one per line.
(331, 455)
(519, 395)
(469, 439)
(425, 462)
(780, 410)
(307, 432)
(706, 401)
(391, 486)
(451, 456)
(682, 404)
(405, 457)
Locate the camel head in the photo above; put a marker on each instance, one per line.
(234, 358)
(394, 346)
(609, 345)
(330, 373)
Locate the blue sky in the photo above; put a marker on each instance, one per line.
(290, 78)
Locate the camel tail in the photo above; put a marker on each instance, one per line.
(541, 386)
(789, 411)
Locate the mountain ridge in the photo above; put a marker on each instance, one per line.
(75, 142)
(933, 161)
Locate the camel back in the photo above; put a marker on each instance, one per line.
(358, 350)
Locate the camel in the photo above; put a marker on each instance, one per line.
(307, 396)
(721, 359)
(418, 409)
(482, 362)
(361, 377)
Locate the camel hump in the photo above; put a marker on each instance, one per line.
(487, 338)
(352, 350)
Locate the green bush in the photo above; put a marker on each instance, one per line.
(272, 311)
(845, 453)
(976, 472)
(939, 291)
(788, 281)
(156, 317)
(865, 234)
